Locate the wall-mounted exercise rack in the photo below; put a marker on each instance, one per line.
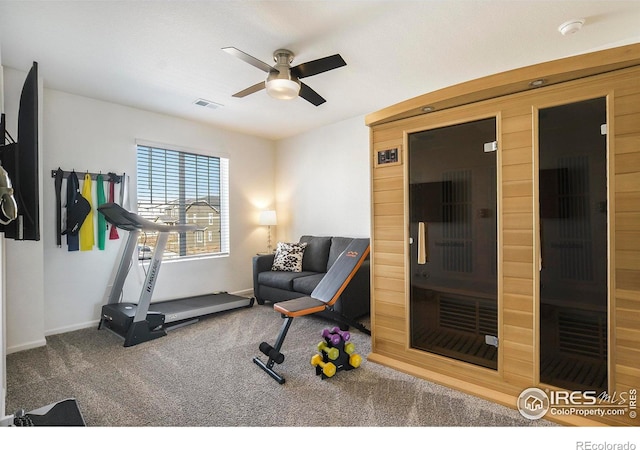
(110, 176)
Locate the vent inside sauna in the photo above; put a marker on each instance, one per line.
(468, 316)
(582, 334)
(461, 329)
(578, 359)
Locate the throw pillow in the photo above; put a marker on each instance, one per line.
(288, 257)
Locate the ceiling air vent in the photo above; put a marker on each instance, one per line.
(207, 103)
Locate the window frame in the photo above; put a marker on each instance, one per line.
(223, 195)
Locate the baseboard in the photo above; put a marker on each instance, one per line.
(243, 293)
(3, 397)
(94, 323)
(79, 326)
(90, 324)
(27, 346)
(43, 342)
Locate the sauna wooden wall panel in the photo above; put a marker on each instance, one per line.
(516, 305)
(388, 311)
(517, 233)
(626, 315)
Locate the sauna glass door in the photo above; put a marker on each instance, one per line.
(573, 245)
(453, 228)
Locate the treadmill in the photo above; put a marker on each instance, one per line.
(135, 321)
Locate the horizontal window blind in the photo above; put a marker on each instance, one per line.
(178, 187)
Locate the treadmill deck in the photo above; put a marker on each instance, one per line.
(192, 307)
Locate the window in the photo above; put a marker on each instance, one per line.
(175, 186)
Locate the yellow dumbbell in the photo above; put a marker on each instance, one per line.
(355, 360)
(349, 348)
(329, 369)
(332, 352)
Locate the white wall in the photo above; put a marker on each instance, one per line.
(24, 266)
(321, 179)
(322, 182)
(83, 134)
(3, 370)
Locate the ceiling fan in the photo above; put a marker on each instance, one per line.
(283, 81)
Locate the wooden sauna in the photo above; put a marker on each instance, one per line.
(506, 234)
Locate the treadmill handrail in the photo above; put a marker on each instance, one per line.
(128, 221)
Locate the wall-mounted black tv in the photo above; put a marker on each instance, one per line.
(21, 163)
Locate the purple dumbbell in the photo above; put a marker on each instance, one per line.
(334, 338)
(345, 334)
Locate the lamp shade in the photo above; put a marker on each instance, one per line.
(267, 218)
(282, 88)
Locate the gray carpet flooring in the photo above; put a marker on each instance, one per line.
(202, 375)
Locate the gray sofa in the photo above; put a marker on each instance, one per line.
(319, 255)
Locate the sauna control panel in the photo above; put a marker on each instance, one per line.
(388, 156)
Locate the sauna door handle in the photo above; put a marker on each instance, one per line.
(541, 244)
(423, 243)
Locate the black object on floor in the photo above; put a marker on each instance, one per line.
(62, 414)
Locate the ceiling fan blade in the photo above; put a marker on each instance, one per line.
(310, 95)
(250, 90)
(249, 59)
(318, 66)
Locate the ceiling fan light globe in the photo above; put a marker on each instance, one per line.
(282, 88)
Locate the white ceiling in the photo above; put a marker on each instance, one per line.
(163, 55)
